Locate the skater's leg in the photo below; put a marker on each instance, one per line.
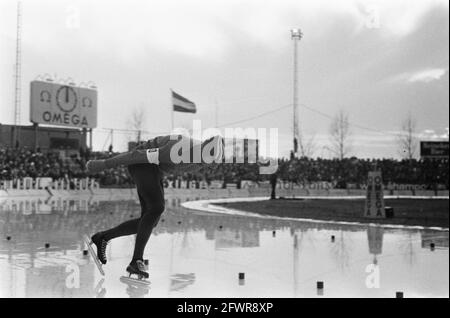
(126, 228)
(170, 151)
(146, 225)
(126, 158)
(185, 150)
(148, 181)
(101, 239)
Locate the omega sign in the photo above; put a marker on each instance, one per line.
(63, 105)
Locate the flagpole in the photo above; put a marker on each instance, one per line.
(215, 115)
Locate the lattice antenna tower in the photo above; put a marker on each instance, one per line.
(17, 75)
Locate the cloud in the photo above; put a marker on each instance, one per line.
(201, 28)
(431, 134)
(422, 76)
(401, 18)
(389, 17)
(428, 75)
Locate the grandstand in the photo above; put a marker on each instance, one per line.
(348, 173)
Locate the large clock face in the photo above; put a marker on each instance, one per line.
(66, 98)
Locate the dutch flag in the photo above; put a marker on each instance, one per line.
(182, 104)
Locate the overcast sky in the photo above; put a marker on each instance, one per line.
(377, 60)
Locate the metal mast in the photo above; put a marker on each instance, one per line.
(296, 35)
(17, 76)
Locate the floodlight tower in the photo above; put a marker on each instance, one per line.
(296, 35)
(17, 77)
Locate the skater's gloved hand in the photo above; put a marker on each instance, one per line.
(95, 166)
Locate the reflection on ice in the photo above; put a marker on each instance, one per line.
(179, 282)
(196, 254)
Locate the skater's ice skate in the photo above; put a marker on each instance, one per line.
(98, 263)
(136, 268)
(99, 240)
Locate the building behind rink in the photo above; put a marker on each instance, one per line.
(67, 141)
(72, 108)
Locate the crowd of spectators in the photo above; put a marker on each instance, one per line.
(16, 163)
(20, 162)
(354, 171)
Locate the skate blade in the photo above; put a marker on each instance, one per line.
(97, 262)
(135, 281)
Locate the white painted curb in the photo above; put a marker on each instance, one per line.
(208, 206)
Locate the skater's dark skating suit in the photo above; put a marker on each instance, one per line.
(149, 183)
(148, 180)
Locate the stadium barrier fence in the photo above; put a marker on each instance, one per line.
(215, 189)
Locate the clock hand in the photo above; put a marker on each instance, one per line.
(67, 94)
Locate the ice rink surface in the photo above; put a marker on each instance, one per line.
(199, 254)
